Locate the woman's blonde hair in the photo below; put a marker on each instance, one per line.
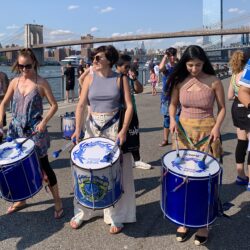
(238, 61)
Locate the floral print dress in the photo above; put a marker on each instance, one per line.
(27, 112)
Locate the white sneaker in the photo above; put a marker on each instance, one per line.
(142, 165)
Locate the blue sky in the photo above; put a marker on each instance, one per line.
(68, 19)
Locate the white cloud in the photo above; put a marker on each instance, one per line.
(13, 26)
(140, 31)
(231, 10)
(73, 7)
(60, 32)
(180, 44)
(2, 34)
(236, 10)
(107, 9)
(94, 29)
(122, 34)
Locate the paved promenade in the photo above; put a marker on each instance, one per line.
(35, 228)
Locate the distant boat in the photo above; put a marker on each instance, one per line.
(75, 60)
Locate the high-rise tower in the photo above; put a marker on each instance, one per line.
(212, 19)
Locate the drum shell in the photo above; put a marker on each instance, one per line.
(108, 180)
(194, 203)
(68, 125)
(22, 179)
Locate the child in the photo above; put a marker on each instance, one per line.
(153, 80)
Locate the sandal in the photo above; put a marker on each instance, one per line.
(182, 236)
(163, 143)
(76, 221)
(241, 181)
(116, 228)
(200, 240)
(58, 214)
(13, 208)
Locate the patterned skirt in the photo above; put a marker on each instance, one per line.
(196, 130)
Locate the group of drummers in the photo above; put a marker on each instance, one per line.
(102, 169)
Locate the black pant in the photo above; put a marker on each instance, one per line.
(136, 155)
(48, 170)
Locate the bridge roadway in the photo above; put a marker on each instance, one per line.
(192, 33)
(35, 228)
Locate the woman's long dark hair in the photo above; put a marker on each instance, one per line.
(180, 72)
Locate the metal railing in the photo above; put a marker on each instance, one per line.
(58, 84)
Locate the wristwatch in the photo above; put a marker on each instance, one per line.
(248, 106)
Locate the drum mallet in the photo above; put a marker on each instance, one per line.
(108, 157)
(19, 144)
(57, 153)
(178, 158)
(201, 164)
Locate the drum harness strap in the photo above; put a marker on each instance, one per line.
(199, 143)
(108, 124)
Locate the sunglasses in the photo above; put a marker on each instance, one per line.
(98, 58)
(27, 66)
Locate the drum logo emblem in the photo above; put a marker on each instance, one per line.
(93, 188)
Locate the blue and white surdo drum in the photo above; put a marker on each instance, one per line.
(20, 173)
(68, 125)
(189, 194)
(97, 181)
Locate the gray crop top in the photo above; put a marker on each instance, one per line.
(104, 94)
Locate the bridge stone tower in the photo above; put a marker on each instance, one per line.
(33, 35)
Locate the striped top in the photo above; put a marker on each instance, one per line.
(196, 104)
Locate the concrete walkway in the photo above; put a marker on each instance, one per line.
(35, 228)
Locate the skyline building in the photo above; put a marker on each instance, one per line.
(212, 19)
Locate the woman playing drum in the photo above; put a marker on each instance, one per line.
(195, 86)
(102, 91)
(28, 90)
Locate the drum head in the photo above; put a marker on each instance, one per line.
(89, 153)
(188, 166)
(9, 153)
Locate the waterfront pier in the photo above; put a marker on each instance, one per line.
(35, 227)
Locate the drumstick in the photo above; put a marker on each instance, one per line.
(201, 163)
(57, 153)
(108, 157)
(19, 144)
(178, 158)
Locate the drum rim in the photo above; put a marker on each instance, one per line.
(191, 177)
(9, 164)
(186, 225)
(96, 169)
(27, 197)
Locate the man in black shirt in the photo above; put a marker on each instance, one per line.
(69, 72)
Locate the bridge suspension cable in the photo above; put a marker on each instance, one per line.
(13, 37)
